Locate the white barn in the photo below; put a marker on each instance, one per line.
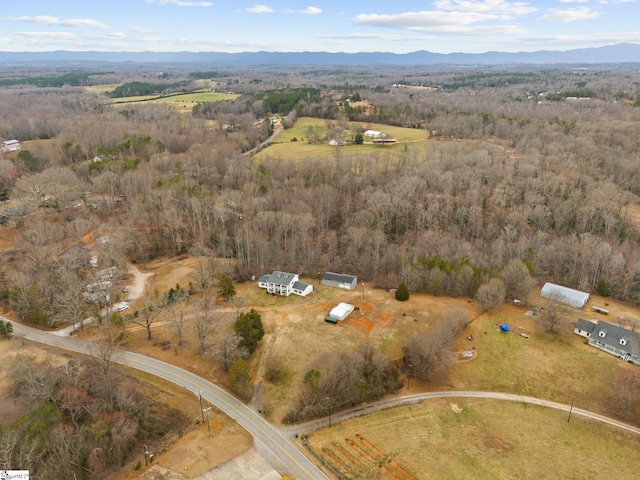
(568, 296)
(10, 146)
(374, 134)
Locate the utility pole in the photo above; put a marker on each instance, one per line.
(201, 409)
(208, 411)
(362, 291)
(146, 457)
(570, 410)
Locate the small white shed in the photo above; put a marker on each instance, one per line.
(341, 311)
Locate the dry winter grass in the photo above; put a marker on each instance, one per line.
(470, 439)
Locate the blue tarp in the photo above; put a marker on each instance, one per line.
(504, 327)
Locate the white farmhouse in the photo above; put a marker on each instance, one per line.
(285, 284)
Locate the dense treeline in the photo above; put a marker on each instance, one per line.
(285, 101)
(74, 79)
(134, 89)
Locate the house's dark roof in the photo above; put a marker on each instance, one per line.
(613, 335)
(338, 277)
(279, 278)
(300, 286)
(585, 325)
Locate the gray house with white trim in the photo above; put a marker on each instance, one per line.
(348, 282)
(283, 283)
(615, 340)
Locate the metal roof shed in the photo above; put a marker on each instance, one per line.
(568, 296)
(348, 282)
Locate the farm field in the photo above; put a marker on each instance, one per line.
(470, 439)
(184, 102)
(181, 101)
(284, 148)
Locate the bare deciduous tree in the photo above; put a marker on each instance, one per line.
(147, 315)
(517, 279)
(491, 295)
(228, 350)
(552, 313)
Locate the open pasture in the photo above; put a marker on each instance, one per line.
(475, 438)
(293, 143)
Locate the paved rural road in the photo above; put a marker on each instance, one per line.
(276, 448)
(415, 398)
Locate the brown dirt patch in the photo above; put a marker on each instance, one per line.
(196, 453)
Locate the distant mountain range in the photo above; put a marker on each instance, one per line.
(613, 54)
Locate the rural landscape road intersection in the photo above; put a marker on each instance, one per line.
(276, 445)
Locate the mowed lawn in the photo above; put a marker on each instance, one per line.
(560, 367)
(473, 438)
(284, 148)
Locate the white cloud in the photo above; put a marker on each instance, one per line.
(259, 9)
(306, 11)
(359, 36)
(439, 22)
(181, 3)
(575, 1)
(493, 6)
(569, 15)
(56, 35)
(70, 22)
(141, 29)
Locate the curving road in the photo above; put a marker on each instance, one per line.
(271, 443)
(415, 398)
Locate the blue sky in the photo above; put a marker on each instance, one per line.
(442, 26)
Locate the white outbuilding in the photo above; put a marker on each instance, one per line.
(568, 296)
(341, 311)
(374, 134)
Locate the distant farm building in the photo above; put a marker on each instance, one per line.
(336, 142)
(10, 146)
(568, 296)
(348, 282)
(384, 140)
(285, 284)
(615, 340)
(375, 134)
(340, 312)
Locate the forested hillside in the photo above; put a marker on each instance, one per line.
(515, 168)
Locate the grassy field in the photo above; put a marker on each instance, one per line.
(283, 148)
(184, 102)
(560, 367)
(470, 439)
(107, 87)
(180, 101)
